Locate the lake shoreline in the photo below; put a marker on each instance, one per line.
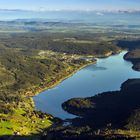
(64, 78)
(76, 70)
(71, 74)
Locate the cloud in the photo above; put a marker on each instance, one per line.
(99, 14)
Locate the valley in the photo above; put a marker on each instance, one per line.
(33, 61)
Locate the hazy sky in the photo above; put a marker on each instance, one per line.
(70, 4)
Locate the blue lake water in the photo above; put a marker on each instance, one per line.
(107, 75)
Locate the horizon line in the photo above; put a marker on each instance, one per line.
(72, 10)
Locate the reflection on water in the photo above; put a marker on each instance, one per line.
(96, 68)
(106, 75)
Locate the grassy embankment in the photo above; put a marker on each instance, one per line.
(23, 120)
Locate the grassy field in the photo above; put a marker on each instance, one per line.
(24, 120)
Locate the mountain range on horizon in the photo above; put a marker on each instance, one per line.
(66, 10)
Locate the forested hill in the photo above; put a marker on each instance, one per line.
(134, 51)
(111, 115)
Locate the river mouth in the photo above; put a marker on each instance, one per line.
(106, 75)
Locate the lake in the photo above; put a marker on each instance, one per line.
(107, 75)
